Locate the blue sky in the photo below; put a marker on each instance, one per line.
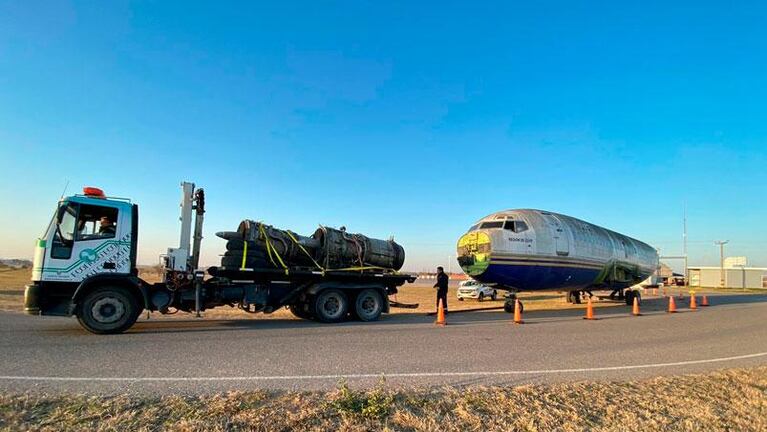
(402, 119)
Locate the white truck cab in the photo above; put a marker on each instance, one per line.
(89, 236)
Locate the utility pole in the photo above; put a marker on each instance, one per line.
(684, 252)
(721, 244)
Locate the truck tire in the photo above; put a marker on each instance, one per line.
(331, 306)
(238, 245)
(108, 310)
(234, 262)
(299, 311)
(369, 305)
(251, 254)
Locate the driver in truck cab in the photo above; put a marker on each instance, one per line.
(107, 227)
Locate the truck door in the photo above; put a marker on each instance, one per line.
(559, 233)
(85, 240)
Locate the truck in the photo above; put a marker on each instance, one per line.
(85, 266)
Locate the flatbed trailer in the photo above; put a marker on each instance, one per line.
(90, 272)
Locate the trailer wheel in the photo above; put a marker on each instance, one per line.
(108, 310)
(331, 306)
(369, 305)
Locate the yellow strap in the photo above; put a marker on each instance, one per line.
(270, 248)
(244, 254)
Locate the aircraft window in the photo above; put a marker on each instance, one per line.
(516, 226)
(491, 225)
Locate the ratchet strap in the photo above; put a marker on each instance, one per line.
(244, 254)
(271, 250)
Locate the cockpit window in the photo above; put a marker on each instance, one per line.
(486, 225)
(515, 226)
(473, 227)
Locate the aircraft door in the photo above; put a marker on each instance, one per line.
(559, 233)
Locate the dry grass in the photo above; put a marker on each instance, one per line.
(12, 283)
(733, 400)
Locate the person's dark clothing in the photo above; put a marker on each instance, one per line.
(441, 285)
(107, 230)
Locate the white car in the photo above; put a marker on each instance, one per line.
(475, 290)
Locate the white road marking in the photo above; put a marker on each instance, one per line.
(378, 375)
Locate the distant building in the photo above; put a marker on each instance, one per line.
(734, 277)
(739, 261)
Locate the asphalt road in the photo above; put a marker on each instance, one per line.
(194, 356)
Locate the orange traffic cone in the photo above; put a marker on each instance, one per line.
(635, 309)
(589, 311)
(440, 315)
(704, 301)
(671, 305)
(693, 304)
(518, 312)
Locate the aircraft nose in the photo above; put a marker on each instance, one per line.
(474, 253)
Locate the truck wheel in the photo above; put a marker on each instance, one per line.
(299, 310)
(369, 305)
(108, 310)
(331, 306)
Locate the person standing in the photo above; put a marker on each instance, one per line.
(441, 286)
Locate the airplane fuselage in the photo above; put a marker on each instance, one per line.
(529, 250)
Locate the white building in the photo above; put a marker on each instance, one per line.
(734, 277)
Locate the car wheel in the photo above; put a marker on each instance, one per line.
(460, 298)
(108, 310)
(494, 296)
(481, 297)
